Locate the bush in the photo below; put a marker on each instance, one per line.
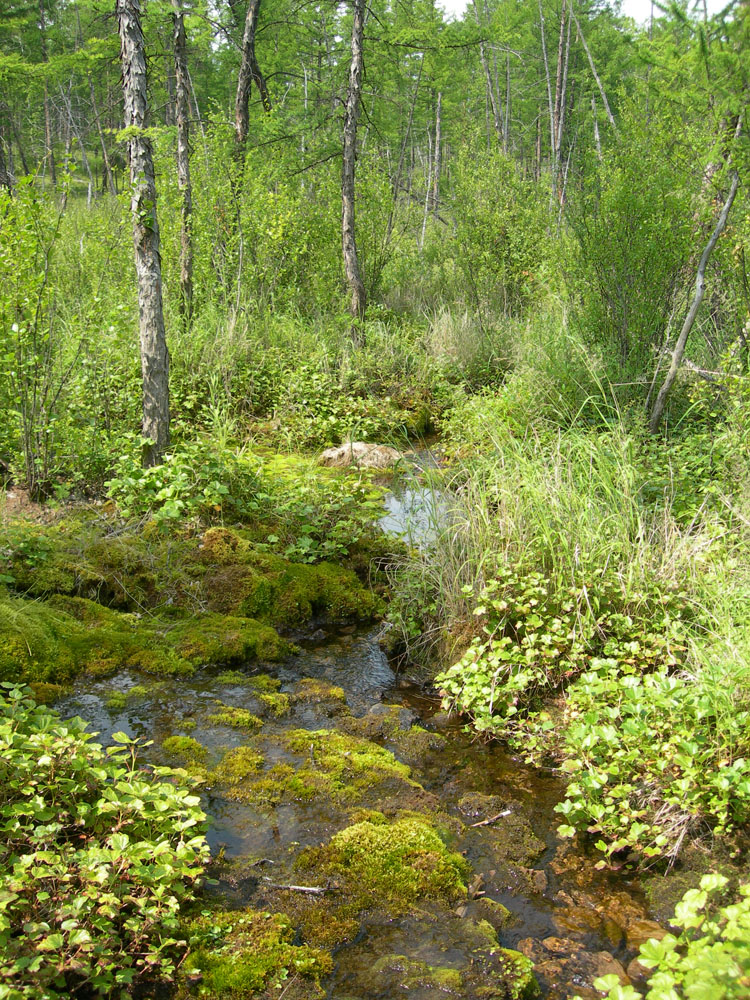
(97, 855)
(710, 958)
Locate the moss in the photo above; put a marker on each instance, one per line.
(277, 705)
(398, 971)
(37, 643)
(234, 677)
(48, 694)
(237, 765)
(392, 724)
(189, 752)
(314, 691)
(241, 580)
(348, 764)
(248, 952)
(517, 974)
(494, 913)
(264, 683)
(393, 865)
(237, 718)
(116, 701)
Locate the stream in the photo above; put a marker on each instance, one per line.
(573, 921)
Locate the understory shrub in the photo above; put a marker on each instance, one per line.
(97, 856)
(709, 959)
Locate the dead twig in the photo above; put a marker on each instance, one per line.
(313, 890)
(492, 819)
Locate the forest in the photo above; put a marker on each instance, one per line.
(375, 521)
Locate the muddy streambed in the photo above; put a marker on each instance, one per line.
(297, 754)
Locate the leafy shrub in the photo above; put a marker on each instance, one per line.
(97, 855)
(708, 960)
(651, 757)
(196, 479)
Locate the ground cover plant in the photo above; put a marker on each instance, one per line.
(98, 856)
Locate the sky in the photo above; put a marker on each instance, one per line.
(639, 10)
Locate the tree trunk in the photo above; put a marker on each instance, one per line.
(154, 354)
(491, 91)
(404, 144)
(351, 117)
(687, 326)
(249, 73)
(435, 201)
(6, 179)
(50, 155)
(182, 107)
(605, 102)
(100, 130)
(550, 103)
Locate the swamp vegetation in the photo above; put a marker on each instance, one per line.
(471, 719)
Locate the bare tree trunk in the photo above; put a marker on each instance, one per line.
(597, 138)
(506, 119)
(182, 99)
(154, 353)
(50, 155)
(19, 145)
(559, 72)
(687, 326)
(103, 144)
(351, 117)
(550, 103)
(249, 73)
(610, 116)
(399, 168)
(491, 96)
(73, 129)
(435, 200)
(427, 187)
(5, 178)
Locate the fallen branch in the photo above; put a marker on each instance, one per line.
(313, 890)
(492, 819)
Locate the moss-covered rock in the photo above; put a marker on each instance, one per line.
(50, 641)
(401, 972)
(236, 718)
(392, 865)
(329, 765)
(187, 752)
(314, 691)
(237, 766)
(242, 954)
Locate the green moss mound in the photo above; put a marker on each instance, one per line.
(50, 641)
(391, 864)
(340, 768)
(240, 579)
(245, 953)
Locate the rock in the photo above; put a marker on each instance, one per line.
(367, 456)
(639, 931)
(637, 973)
(561, 946)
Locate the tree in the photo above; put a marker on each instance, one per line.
(154, 353)
(182, 84)
(351, 117)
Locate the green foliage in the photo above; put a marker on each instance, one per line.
(97, 858)
(652, 757)
(710, 957)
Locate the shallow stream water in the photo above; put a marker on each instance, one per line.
(575, 922)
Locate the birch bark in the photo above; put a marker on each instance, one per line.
(153, 343)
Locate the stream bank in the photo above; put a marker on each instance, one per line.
(395, 855)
